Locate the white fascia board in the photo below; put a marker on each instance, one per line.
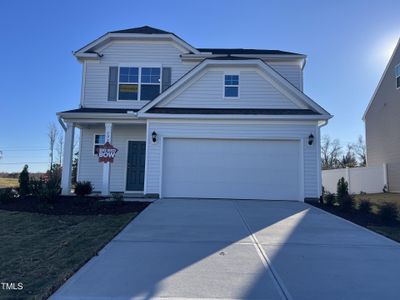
(98, 116)
(380, 81)
(126, 36)
(236, 117)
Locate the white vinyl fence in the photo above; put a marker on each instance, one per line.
(369, 179)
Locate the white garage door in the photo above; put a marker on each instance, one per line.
(239, 169)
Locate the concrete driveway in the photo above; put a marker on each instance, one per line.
(226, 249)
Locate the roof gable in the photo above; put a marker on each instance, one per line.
(269, 74)
(396, 49)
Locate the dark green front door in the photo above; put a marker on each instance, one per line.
(135, 169)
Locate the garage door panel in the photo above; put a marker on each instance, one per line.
(241, 169)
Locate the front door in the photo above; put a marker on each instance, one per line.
(135, 166)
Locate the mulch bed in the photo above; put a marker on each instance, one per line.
(72, 205)
(355, 216)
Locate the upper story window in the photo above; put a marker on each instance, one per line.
(99, 139)
(231, 86)
(397, 72)
(139, 83)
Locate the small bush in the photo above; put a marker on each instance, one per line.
(329, 199)
(8, 195)
(83, 188)
(342, 188)
(385, 188)
(24, 181)
(117, 197)
(346, 202)
(365, 207)
(388, 212)
(36, 186)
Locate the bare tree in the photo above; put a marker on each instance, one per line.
(360, 149)
(52, 134)
(349, 158)
(331, 151)
(60, 147)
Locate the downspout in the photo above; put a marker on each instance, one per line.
(62, 123)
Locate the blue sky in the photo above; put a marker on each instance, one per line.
(348, 44)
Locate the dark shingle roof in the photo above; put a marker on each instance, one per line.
(142, 30)
(231, 111)
(232, 51)
(100, 110)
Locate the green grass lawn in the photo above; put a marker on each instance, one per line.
(377, 199)
(8, 182)
(42, 251)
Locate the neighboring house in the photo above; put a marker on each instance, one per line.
(382, 123)
(192, 122)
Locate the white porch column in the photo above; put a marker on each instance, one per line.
(105, 191)
(67, 159)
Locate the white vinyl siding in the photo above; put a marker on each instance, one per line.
(89, 167)
(290, 71)
(207, 92)
(95, 88)
(232, 130)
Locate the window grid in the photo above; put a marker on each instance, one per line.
(99, 140)
(231, 86)
(146, 79)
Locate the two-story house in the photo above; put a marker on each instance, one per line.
(194, 122)
(382, 123)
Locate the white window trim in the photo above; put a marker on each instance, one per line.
(397, 75)
(139, 83)
(229, 85)
(94, 142)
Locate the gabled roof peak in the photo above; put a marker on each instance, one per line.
(142, 30)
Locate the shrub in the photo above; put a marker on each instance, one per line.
(342, 188)
(365, 206)
(346, 202)
(388, 212)
(117, 196)
(385, 188)
(329, 199)
(36, 186)
(83, 188)
(8, 195)
(24, 181)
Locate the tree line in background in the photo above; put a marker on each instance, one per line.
(334, 155)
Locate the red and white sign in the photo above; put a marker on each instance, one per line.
(107, 153)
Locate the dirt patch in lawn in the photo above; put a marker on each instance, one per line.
(42, 250)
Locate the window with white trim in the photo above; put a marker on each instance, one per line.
(139, 83)
(231, 86)
(397, 73)
(99, 140)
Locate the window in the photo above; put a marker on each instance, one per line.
(150, 83)
(231, 86)
(128, 83)
(139, 83)
(99, 140)
(397, 72)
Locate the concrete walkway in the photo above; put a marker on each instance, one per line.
(225, 249)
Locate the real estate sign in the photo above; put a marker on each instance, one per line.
(107, 153)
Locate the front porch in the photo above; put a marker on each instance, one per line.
(126, 174)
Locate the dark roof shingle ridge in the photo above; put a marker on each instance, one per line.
(142, 30)
(246, 51)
